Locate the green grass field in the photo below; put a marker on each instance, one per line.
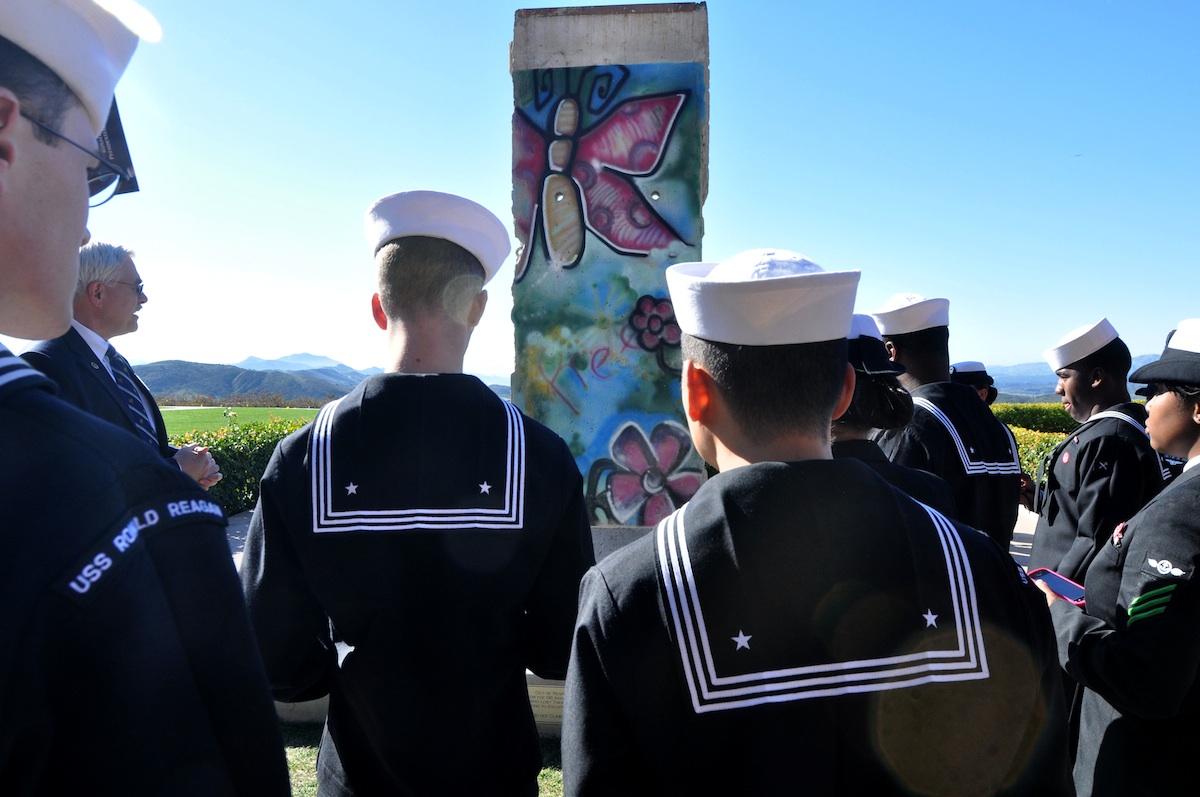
(206, 419)
(301, 741)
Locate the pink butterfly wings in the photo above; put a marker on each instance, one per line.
(585, 179)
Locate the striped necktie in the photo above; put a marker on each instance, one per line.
(127, 382)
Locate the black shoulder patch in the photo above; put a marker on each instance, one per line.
(124, 540)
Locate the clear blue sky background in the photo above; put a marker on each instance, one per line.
(1036, 162)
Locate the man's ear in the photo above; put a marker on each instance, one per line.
(699, 393)
(381, 319)
(10, 112)
(478, 304)
(891, 350)
(847, 396)
(1098, 376)
(95, 292)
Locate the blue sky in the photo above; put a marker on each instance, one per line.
(1035, 162)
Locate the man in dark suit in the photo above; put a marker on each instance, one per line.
(93, 376)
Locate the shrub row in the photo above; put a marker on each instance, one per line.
(1036, 417)
(243, 453)
(1033, 446)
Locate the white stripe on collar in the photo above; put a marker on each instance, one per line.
(971, 466)
(966, 660)
(328, 519)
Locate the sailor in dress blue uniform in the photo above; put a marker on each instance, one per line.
(801, 625)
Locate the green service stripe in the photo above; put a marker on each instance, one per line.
(1152, 594)
(1133, 619)
(1142, 608)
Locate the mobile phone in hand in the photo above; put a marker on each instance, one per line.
(1060, 585)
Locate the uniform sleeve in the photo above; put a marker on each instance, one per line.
(292, 627)
(1147, 667)
(1111, 490)
(550, 609)
(599, 755)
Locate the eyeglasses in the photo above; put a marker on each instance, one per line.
(137, 286)
(103, 178)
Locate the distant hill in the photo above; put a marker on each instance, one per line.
(297, 376)
(1034, 382)
(180, 378)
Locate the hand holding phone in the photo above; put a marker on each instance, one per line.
(1060, 585)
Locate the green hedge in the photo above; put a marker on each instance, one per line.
(242, 452)
(1033, 446)
(1037, 417)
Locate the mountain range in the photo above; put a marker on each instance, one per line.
(297, 376)
(312, 376)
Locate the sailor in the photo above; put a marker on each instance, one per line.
(974, 374)
(881, 403)
(1105, 470)
(128, 664)
(952, 433)
(802, 625)
(1135, 646)
(420, 544)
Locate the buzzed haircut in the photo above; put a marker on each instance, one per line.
(99, 262)
(924, 344)
(419, 274)
(42, 93)
(1113, 357)
(775, 389)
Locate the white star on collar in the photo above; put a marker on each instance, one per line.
(1102, 465)
(485, 489)
(742, 640)
(930, 618)
(351, 489)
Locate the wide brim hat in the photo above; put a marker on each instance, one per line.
(1180, 360)
(906, 313)
(86, 45)
(433, 214)
(762, 297)
(1079, 343)
(866, 351)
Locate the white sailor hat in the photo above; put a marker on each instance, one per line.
(973, 374)
(762, 297)
(911, 312)
(866, 352)
(87, 43)
(1180, 360)
(437, 215)
(1079, 343)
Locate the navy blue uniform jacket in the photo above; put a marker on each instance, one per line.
(413, 551)
(84, 382)
(127, 664)
(806, 628)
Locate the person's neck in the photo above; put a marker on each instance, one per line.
(429, 346)
(1112, 399)
(732, 454)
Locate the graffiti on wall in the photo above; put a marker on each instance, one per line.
(607, 171)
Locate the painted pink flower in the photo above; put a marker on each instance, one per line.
(653, 321)
(649, 482)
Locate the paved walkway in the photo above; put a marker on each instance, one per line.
(236, 534)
